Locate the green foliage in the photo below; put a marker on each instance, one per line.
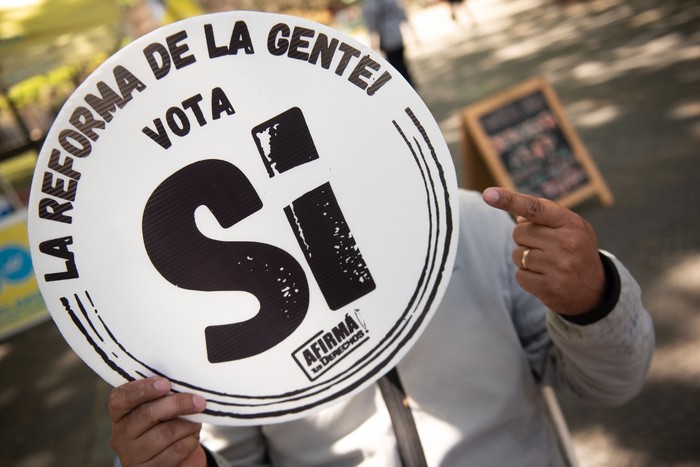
(51, 88)
(40, 87)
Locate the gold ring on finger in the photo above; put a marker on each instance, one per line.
(523, 258)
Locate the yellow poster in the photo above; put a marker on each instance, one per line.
(21, 304)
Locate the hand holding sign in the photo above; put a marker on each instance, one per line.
(146, 428)
(557, 252)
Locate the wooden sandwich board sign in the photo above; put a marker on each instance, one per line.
(521, 139)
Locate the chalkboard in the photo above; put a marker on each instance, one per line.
(521, 139)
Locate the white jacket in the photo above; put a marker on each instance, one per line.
(474, 376)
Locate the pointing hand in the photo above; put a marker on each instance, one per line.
(556, 253)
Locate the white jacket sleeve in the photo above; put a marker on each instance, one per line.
(606, 361)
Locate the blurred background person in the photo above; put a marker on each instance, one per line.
(384, 20)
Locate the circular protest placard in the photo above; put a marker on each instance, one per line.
(254, 206)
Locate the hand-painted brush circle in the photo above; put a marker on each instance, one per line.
(252, 205)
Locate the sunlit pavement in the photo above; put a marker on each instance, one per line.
(628, 75)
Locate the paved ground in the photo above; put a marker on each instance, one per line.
(628, 74)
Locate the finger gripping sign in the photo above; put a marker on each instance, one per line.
(254, 206)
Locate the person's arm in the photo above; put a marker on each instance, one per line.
(597, 339)
(614, 346)
(147, 428)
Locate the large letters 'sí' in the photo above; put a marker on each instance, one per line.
(188, 259)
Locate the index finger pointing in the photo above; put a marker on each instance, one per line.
(538, 210)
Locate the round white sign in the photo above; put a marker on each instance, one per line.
(255, 206)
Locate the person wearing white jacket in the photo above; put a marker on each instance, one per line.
(528, 304)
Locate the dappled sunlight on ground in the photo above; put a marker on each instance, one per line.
(628, 75)
(664, 422)
(591, 113)
(513, 41)
(558, 43)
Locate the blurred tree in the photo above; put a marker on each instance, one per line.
(47, 47)
(277, 5)
(45, 44)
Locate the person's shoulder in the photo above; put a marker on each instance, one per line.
(468, 197)
(471, 202)
(485, 233)
(475, 213)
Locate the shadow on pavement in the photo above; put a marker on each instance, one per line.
(54, 408)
